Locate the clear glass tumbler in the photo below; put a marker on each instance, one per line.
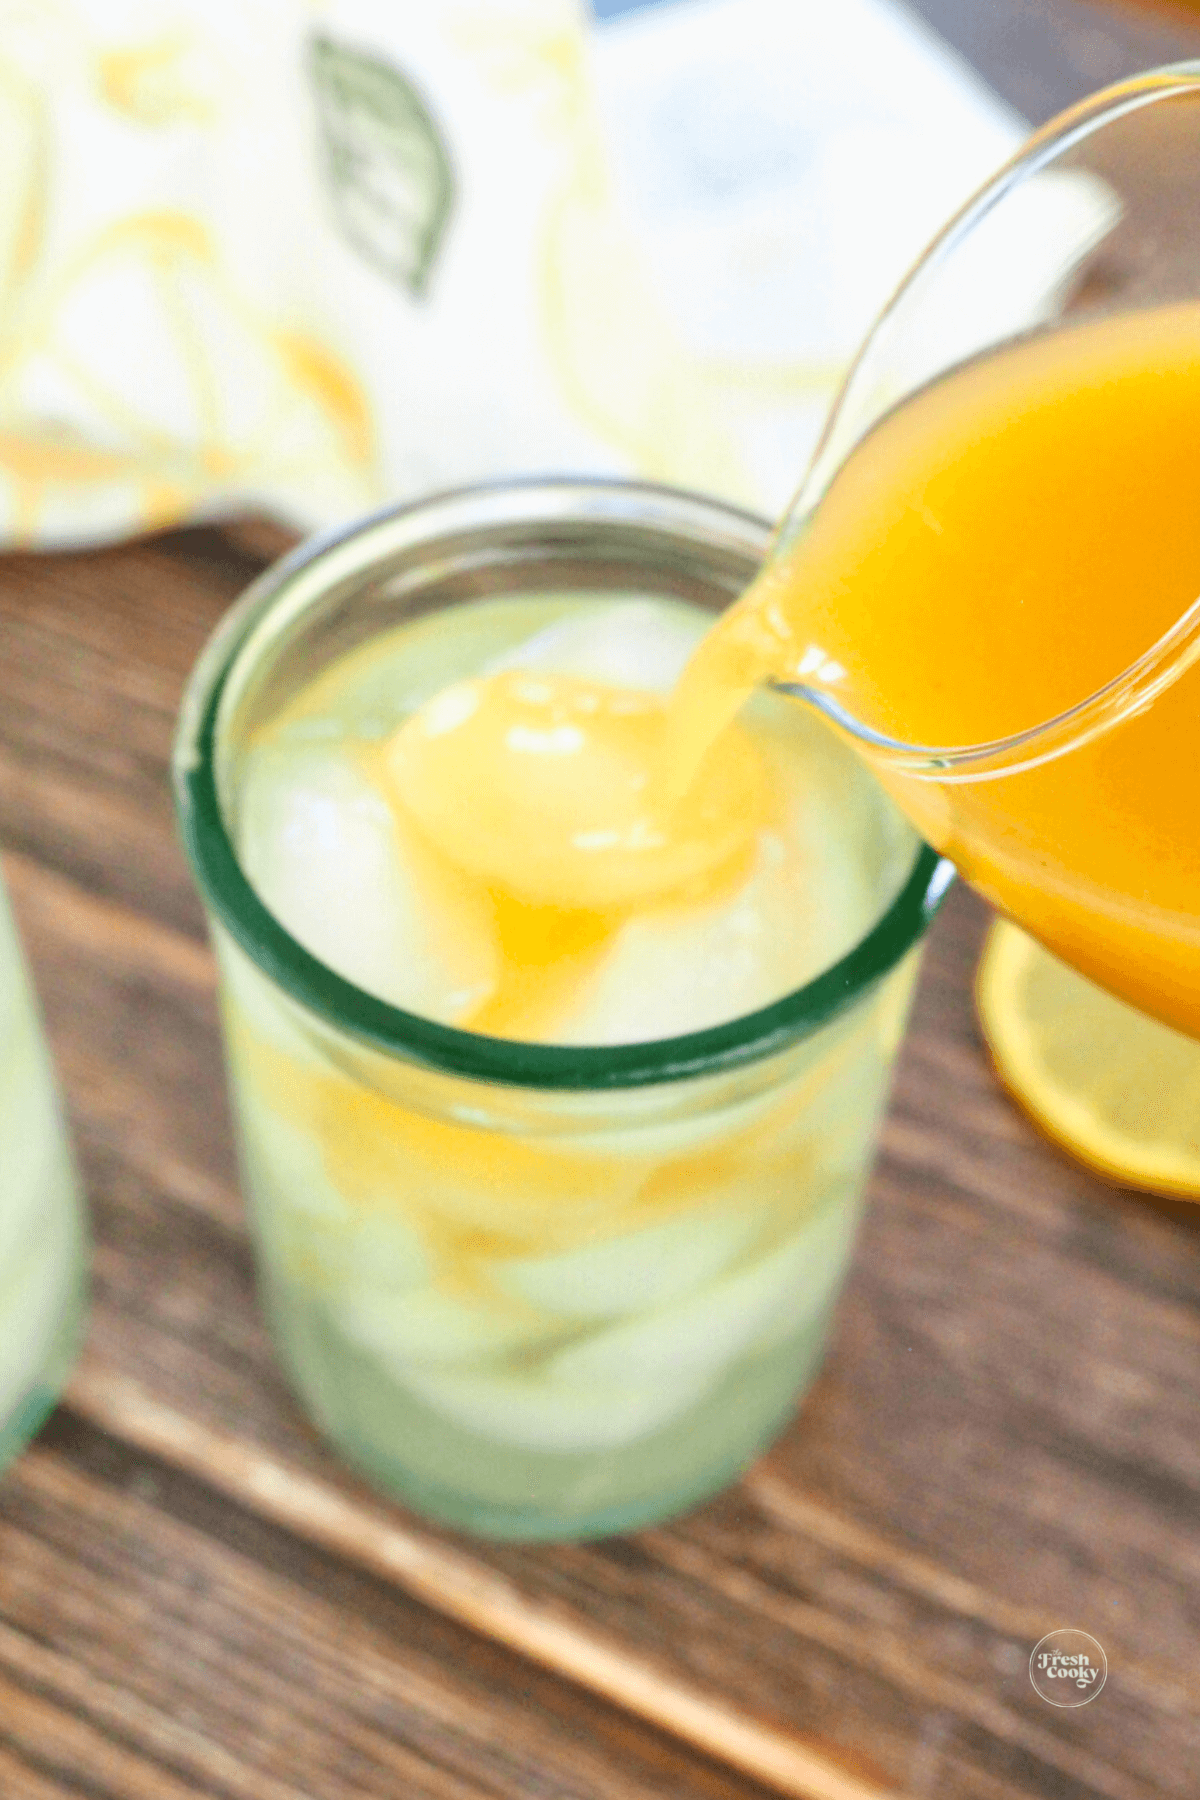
(536, 1291)
(42, 1280)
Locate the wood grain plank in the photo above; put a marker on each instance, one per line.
(23, 1781)
(157, 1642)
(462, 1586)
(96, 649)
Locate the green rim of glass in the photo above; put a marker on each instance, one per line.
(510, 1062)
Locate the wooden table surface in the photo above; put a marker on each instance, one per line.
(195, 1599)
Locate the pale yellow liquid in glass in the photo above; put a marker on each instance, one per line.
(542, 1312)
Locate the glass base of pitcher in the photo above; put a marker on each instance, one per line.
(481, 1485)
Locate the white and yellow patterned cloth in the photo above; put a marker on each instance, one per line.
(307, 258)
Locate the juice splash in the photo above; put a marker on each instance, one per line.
(993, 553)
(562, 839)
(509, 857)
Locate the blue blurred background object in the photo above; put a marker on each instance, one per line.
(608, 9)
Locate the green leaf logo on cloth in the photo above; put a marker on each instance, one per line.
(390, 169)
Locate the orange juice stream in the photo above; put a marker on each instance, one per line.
(994, 552)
